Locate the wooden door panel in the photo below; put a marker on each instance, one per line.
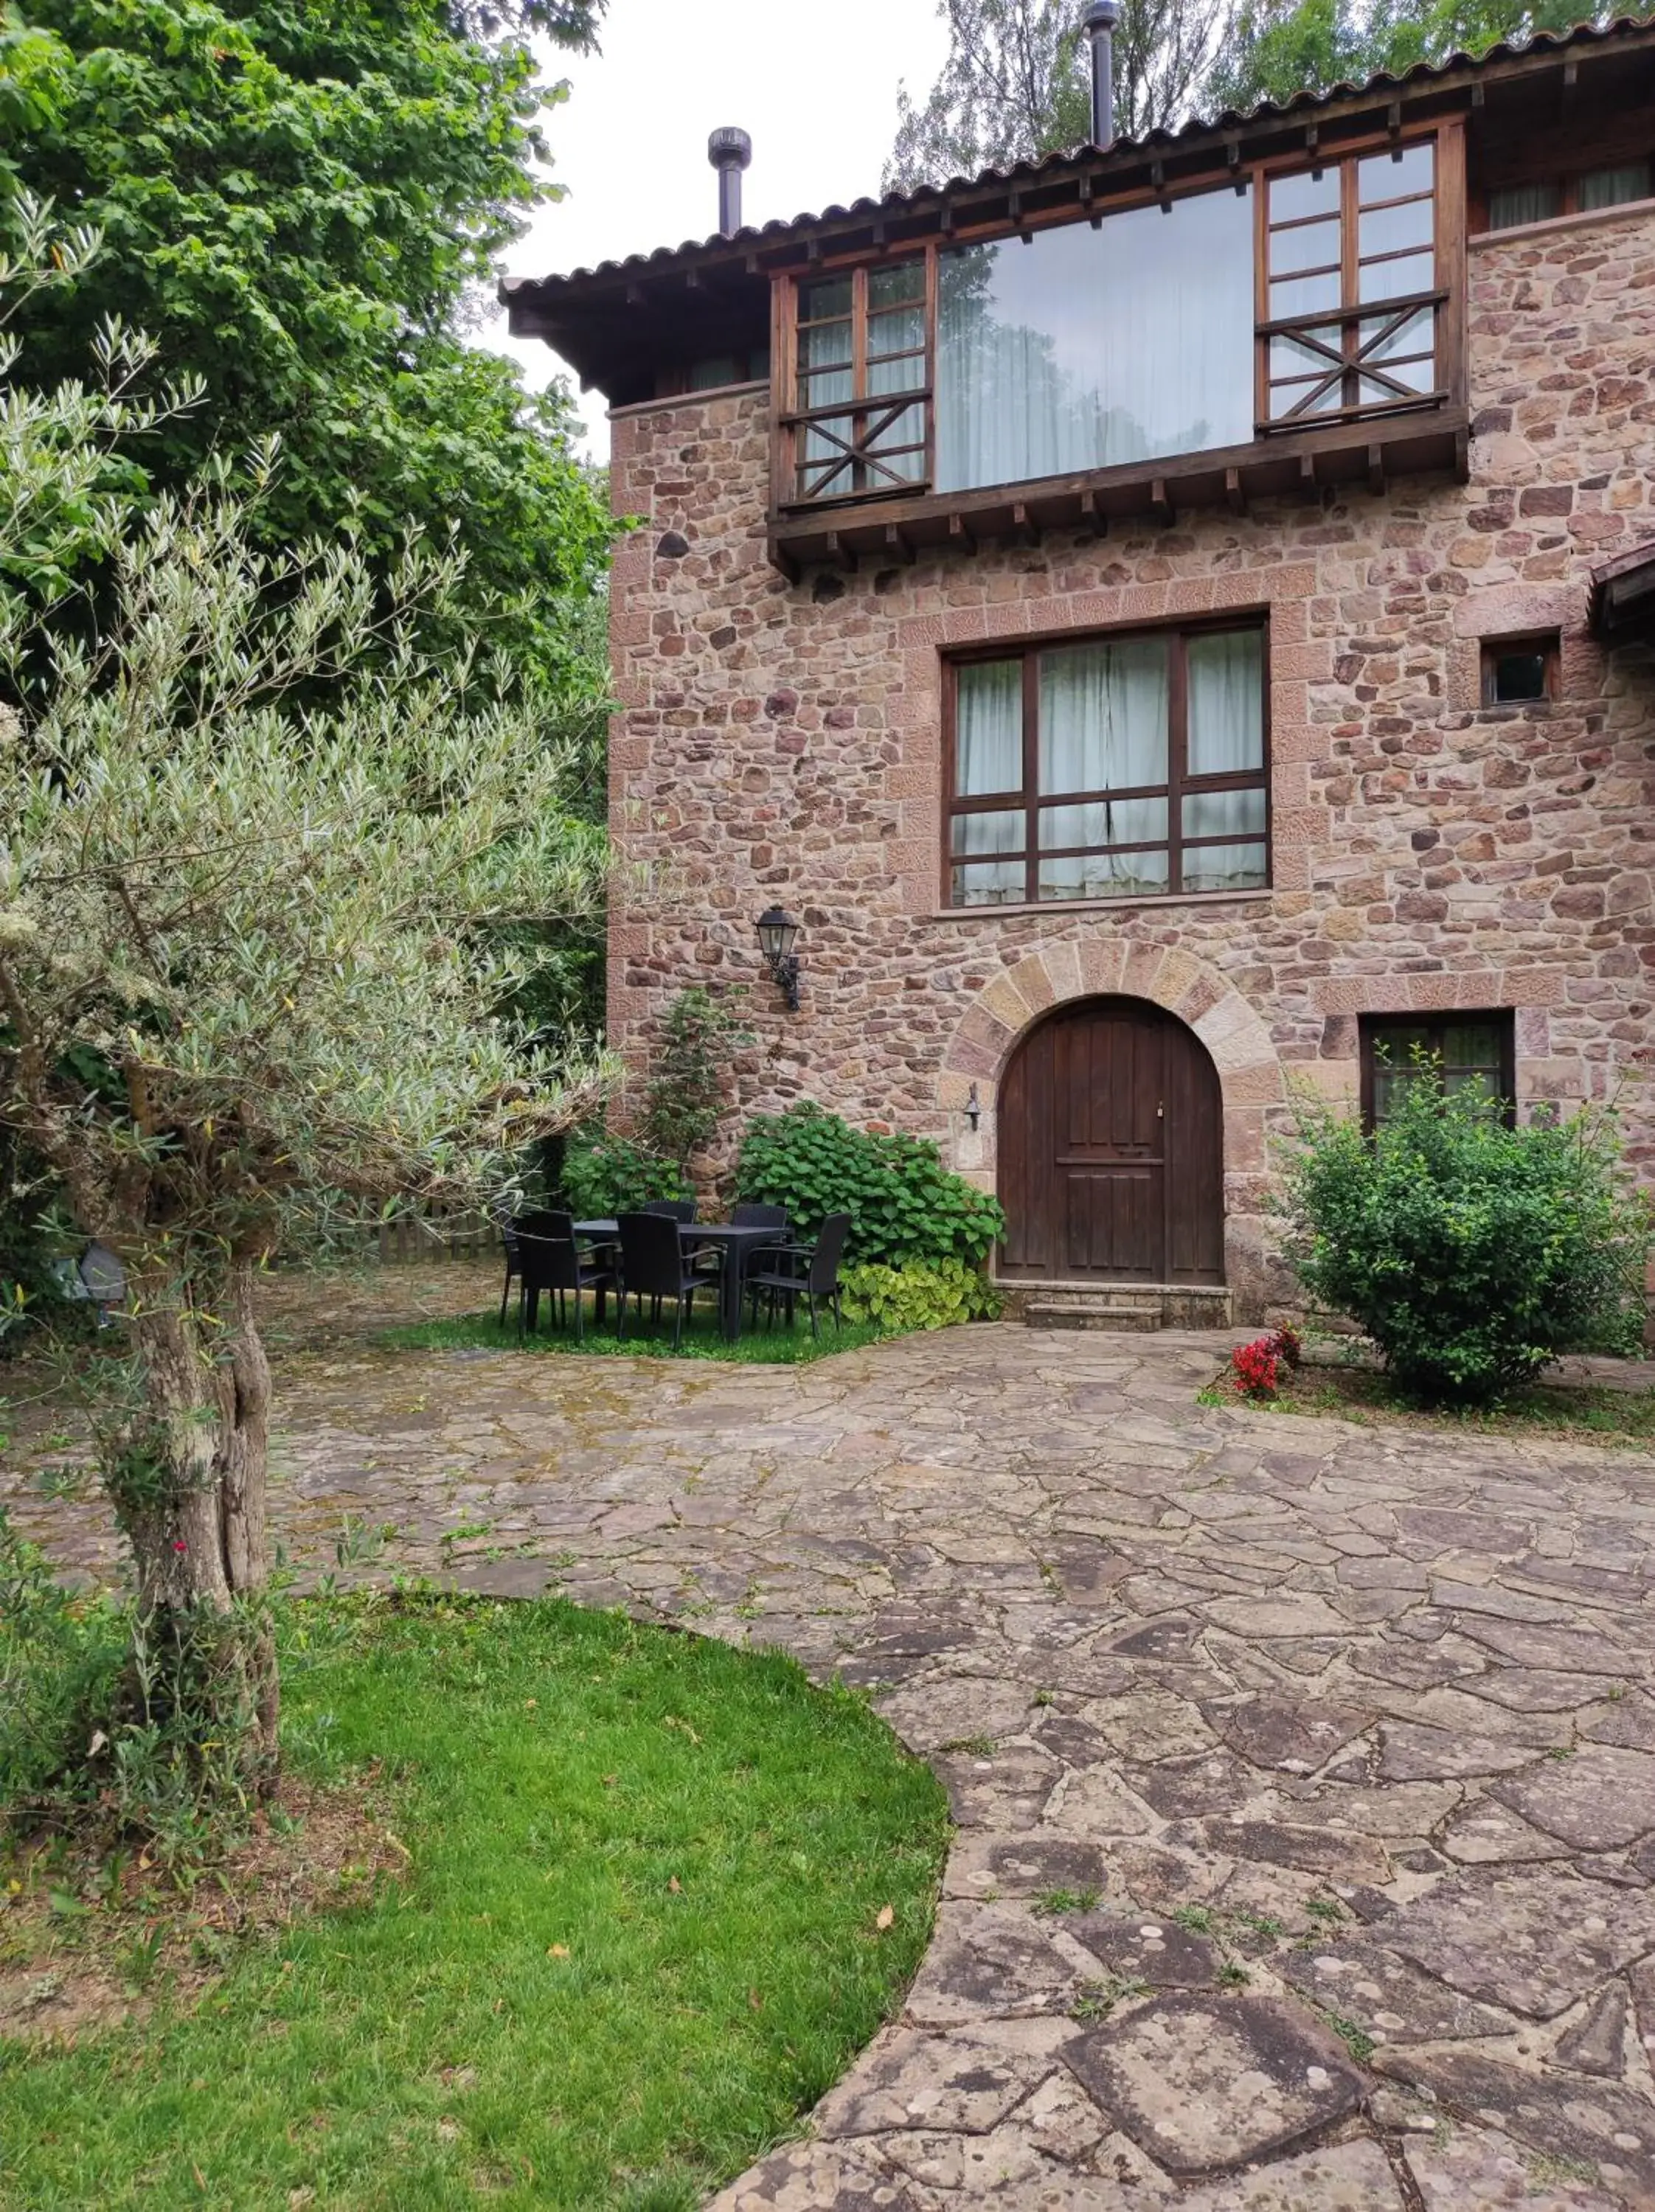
(1112, 1150)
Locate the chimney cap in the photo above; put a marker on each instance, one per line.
(731, 148)
(1101, 15)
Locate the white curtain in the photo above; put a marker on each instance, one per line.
(1226, 703)
(1102, 716)
(1226, 737)
(988, 728)
(1080, 347)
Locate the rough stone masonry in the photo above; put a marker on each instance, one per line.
(782, 742)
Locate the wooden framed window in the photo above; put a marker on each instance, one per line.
(1542, 198)
(861, 381)
(1131, 765)
(1351, 290)
(1520, 672)
(1479, 1047)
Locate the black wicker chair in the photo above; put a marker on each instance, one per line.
(549, 1260)
(816, 1279)
(653, 1267)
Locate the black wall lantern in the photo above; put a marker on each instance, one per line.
(777, 933)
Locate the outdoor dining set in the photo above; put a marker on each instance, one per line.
(663, 1254)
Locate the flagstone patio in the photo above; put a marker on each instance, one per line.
(1304, 1772)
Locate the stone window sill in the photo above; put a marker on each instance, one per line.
(1129, 905)
(1584, 219)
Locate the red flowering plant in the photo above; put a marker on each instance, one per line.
(1255, 1368)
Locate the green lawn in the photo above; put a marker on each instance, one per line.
(534, 2016)
(777, 1346)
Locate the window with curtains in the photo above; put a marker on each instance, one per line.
(1350, 289)
(1080, 348)
(1470, 1048)
(1125, 766)
(1538, 199)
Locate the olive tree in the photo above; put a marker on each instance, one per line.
(257, 858)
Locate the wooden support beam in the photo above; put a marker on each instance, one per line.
(1479, 94)
(841, 555)
(1235, 497)
(1093, 520)
(1307, 482)
(1023, 531)
(635, 295)
(899, 544)
(785, 562)
(693, 279)
(1462, 455)
(961, 535)
(1376, 470)
(1394, 119)
(1160, 504)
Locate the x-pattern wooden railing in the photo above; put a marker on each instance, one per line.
(1306, 331)
(854, 452)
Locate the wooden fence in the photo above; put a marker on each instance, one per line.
(433, 1234)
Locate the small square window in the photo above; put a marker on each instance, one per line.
(1466, 1049)
(1520, 672)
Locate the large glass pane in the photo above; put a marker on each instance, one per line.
(1314, 193)
(1519, 204)
(988, 728)
(1224, 814)
(1104, 821)
(1602, 188)
(1104, 875)
(1305, 295)
(1396, 230)
(1471, 1046)
(896, 281)
(1084, 348)
(989, 882)
(830, 297)
(1226, 703)
(1395, 279)
(1224, 868)
(901, 331)
(1393, 176)
(1307, 246)
(995, 832)
(1102, 716)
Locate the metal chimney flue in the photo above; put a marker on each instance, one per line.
(1098, 23)
(729, 151)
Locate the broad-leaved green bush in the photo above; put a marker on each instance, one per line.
(904, 1205)
(1470, 1253)
(926, 1294)
(605, 1175)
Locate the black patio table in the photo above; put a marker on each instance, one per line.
(733, 1243)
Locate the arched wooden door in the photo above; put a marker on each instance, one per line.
(1112, 1150)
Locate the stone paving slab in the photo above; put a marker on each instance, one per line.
(1305, 1770)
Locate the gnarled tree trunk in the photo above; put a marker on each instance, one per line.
(186, 1474)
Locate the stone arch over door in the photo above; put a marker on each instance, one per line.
(1251, 1088)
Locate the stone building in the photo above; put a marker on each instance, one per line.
(1172, 625)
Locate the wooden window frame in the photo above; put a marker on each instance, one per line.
(1371, 1028)
(866, 416)
(1351, 359)
(1546, 645)
(1568, 183)
(1446, 299)
(1030, 801)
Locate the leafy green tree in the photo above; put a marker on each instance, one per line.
(1017, 82)
(301, 202)
(256, 849)
(1310, 44)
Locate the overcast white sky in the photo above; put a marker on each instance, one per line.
(813, 82)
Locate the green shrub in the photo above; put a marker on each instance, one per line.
(928, 1295)
(904, 1205)
(606, 1175)
(688, 1074)
(1470, 1253)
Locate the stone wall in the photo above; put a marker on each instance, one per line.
(781, 742)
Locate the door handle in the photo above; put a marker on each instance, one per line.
(1160, 1113)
